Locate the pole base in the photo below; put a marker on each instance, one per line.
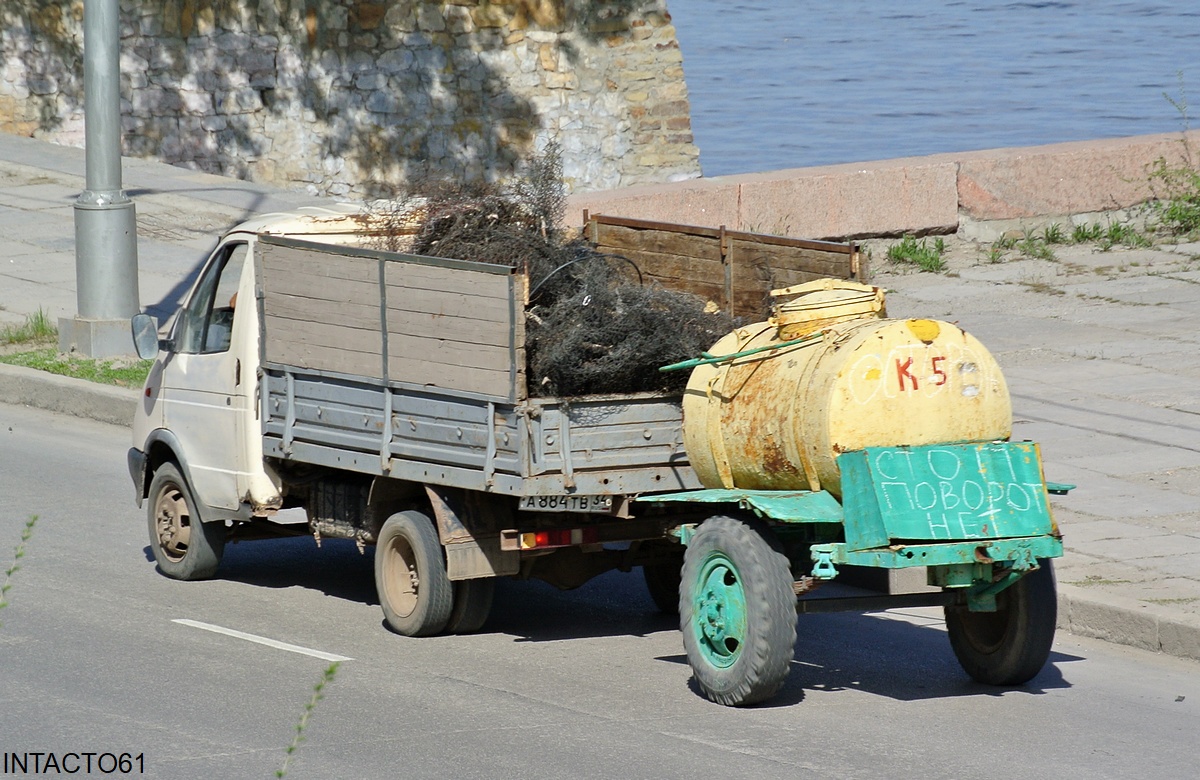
(95, 338)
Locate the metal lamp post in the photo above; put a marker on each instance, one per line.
(106, 267)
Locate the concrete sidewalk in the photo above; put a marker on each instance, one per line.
(1100, 349)
(1102, 357)
(180, 215)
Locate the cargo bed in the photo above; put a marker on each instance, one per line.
(414, 367)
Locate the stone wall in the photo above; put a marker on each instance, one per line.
(353, 97)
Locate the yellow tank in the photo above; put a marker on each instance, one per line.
(776, 419)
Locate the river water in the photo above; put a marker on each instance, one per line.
(791, 83)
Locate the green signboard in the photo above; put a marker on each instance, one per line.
(943, 492)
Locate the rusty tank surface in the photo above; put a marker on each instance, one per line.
(829, 373)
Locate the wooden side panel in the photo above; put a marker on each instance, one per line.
(663, 242)
(758, 268)
(446, 326)
(456, 329)
(321, 310)
(785, 259)
(738, 278)
(697, 276)
(675, 260)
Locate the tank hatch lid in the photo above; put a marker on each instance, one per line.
(785, 506)
(822, 299)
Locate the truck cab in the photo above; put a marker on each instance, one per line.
(199, 414)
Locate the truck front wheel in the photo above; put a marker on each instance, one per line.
(410, 576)
(737, 612)
(184, 547)
(1009, 646)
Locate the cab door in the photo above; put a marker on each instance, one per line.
(208, 381)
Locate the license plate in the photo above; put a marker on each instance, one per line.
(566, 503)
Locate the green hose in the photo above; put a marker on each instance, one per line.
(707, 358)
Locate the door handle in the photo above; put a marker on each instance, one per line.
(237, 373)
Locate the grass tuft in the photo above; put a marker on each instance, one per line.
(926, 256)
(1036, 248)
(37, 328)
(1083, 234)
(1120, 234)
(1176, 204)
(1176, 187)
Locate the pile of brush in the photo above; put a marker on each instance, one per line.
(593, 325)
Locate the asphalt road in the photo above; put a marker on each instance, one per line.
(590, 683)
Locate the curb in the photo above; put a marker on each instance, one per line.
(1126, 621)
(67, 395)
(1113, 618)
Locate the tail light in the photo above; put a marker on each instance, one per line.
(560, 537)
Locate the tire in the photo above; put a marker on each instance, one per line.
(737, 612)
(472, 605)
(184, 547)
(1009, 646)
(662, 582)
(410, 576)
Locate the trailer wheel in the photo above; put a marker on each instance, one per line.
(184, 547)
(472, 605)
(410, 575)
(663, 582)
(1009, 646)
(737, 612)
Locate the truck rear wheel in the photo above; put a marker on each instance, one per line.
(737, 612)
(1009, 646)
(410, 575)
(662, 583)
(472, 605)
(185, 547)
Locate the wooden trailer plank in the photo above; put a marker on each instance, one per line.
(322, 358)
(619, 240)
(327, 334)
(322, 288)
(595, 222)
(449, 353)
(312, 265)
(449, 304)
(354, 314)
(415, 324)
(790, 258)
(433, 278)
(484, 381)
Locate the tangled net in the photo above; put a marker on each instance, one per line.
(611, 338)
(593, 325)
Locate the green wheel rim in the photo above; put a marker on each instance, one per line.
(719, 611)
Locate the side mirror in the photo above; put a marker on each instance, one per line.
(145, 335)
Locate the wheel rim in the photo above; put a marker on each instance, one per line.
(719, 611)
(401, 581)
(172, 522)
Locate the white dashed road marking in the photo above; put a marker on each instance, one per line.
(262, 640)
